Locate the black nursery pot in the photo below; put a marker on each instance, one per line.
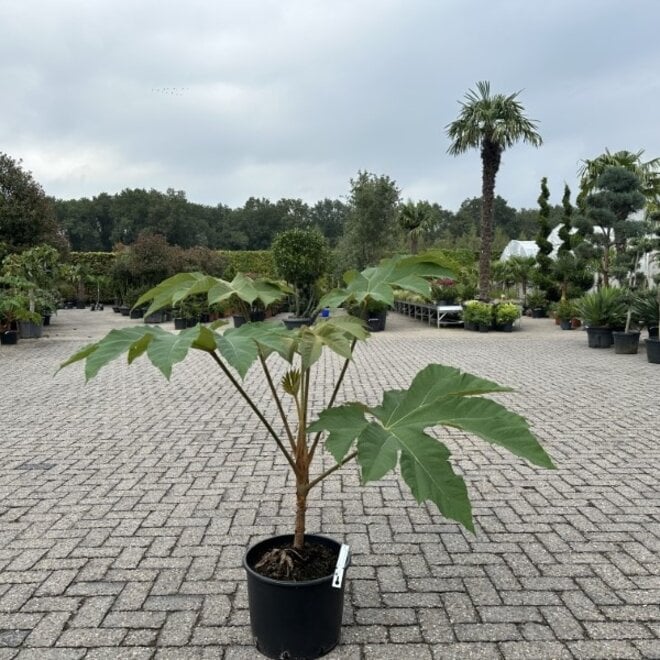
(293, 620)
(625, 343)
(599, 337)
(9, 337)
(653, 350)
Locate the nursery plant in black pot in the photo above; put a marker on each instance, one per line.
(565, 312)
(506, 314)
(14, 308)
(301, 257)
(602, 311)
(296, 582)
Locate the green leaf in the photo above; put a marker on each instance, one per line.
(238, 348)
(377, 452)
(426, 469)
(166, 349)
(344, 424)
(80, 355)
(113, 345)
(138, 348)
(440, 396)
(377, 283)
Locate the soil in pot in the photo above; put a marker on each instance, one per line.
(292, 619)
(653, 350)
(626, 343)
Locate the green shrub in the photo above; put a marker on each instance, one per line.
(254, 262)
(506, 313)
(603, 309)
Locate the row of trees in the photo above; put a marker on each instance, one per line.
(370, 223)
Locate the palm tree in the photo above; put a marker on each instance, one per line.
(490, 123)
(414, 219)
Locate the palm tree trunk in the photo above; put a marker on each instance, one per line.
(490, 158)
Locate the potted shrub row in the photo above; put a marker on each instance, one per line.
(296, 581)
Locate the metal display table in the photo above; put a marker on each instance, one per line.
(440, 314)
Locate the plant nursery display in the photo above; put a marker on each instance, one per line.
(296, 581)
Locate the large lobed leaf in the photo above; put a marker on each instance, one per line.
(173, 290)
(394, 431)
(377, 283)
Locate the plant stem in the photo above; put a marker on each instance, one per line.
(328, 472)
(256, 410)
(278, 401)
(317, 437)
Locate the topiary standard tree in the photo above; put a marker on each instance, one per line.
(607, 225)
(301, 257)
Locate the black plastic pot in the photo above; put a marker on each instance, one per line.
(294, 620)
(653, 350)
(156, 317)
(8, 337)
(626, 343)
(504, 327)
(653, 332)
(29, 330)
(137, 313)
(293, 323)
(124, 310)
(46, 320)
(566, 324)
(180, 324)
(538, 313)
(376, 321)
(599, 337)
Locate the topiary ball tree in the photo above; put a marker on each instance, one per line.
(301, 257)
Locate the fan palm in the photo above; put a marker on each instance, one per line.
(414, 219)
(491, 123)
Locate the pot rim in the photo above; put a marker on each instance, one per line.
(288, 584)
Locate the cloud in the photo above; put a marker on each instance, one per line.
(290, 97)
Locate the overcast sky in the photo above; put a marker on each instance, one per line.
(290, 98)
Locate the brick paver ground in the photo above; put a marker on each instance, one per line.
(126, 505)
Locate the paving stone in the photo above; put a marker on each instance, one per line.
(536, 650)
(130, 544)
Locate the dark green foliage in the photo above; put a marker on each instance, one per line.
(607, 225)
(301, 257)
(329, 217)
(371, 224)
(565, 229)
(255, 262)
(27, 216)
(545, 246)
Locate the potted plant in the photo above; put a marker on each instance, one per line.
(506, 314)
(653, 342)
(443, 291)
(538, 304)
(626, 341)
(14, 308)
(470, 314)
(565, 312)
(602, 311)
(296, 604)
(300, 257)
(645, 306)
(373, 313)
